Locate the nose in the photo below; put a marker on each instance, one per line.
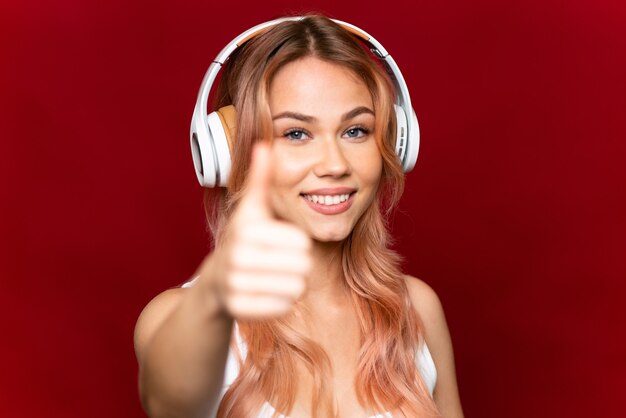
(332, 160)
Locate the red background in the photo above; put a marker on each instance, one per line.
(515, 213)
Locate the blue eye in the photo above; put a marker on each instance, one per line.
(356, 132)
(296, 134)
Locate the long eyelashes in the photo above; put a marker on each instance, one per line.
(300, 134)
(357, 131)
(296, 134)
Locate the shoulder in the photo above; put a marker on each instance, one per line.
(153, 315)
(427, 304)
(437, 336)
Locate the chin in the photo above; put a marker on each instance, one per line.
(329, 239)
(330, 236)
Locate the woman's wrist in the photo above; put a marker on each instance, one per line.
(204, 297)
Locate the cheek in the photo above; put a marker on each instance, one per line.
(287, 174)
(369, 165)
(289, 166)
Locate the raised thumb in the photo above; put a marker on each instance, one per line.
(256, 195)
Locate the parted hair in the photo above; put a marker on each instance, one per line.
(390, 329)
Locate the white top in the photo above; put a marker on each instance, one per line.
(424, 361)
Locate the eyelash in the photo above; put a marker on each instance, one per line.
(363, 132)
(295, 130)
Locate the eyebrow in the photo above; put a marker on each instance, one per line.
(306, 118)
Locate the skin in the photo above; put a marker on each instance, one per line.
(322, 128)
(280, 250)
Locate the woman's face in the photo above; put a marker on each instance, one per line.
(326, 163)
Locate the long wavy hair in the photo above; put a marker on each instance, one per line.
(390, 330)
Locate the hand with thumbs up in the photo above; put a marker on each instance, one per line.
(261, 268)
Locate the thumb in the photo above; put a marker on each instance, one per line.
(256, 196)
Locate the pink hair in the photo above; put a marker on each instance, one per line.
(391, 331)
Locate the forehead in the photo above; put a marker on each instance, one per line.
(317, 87)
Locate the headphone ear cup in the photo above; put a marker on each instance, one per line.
(221, 151)
(228, 117)
(202, 151)
(412, 145)
(401, 133)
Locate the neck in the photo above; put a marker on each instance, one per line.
(325, 285)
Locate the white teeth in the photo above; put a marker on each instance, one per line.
(327, 200)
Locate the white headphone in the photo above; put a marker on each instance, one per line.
(210, 133)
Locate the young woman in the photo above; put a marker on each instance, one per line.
(301, 309)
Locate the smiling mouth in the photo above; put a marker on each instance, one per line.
(327, 200)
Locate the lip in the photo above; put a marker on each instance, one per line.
(331, 209)
(331, 191)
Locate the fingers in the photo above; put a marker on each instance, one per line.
(257, 307)
(274, 234)
(268, 267)
(253, 258)
(263, 295)
(290, 286)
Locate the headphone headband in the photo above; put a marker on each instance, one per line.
(407, 143)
